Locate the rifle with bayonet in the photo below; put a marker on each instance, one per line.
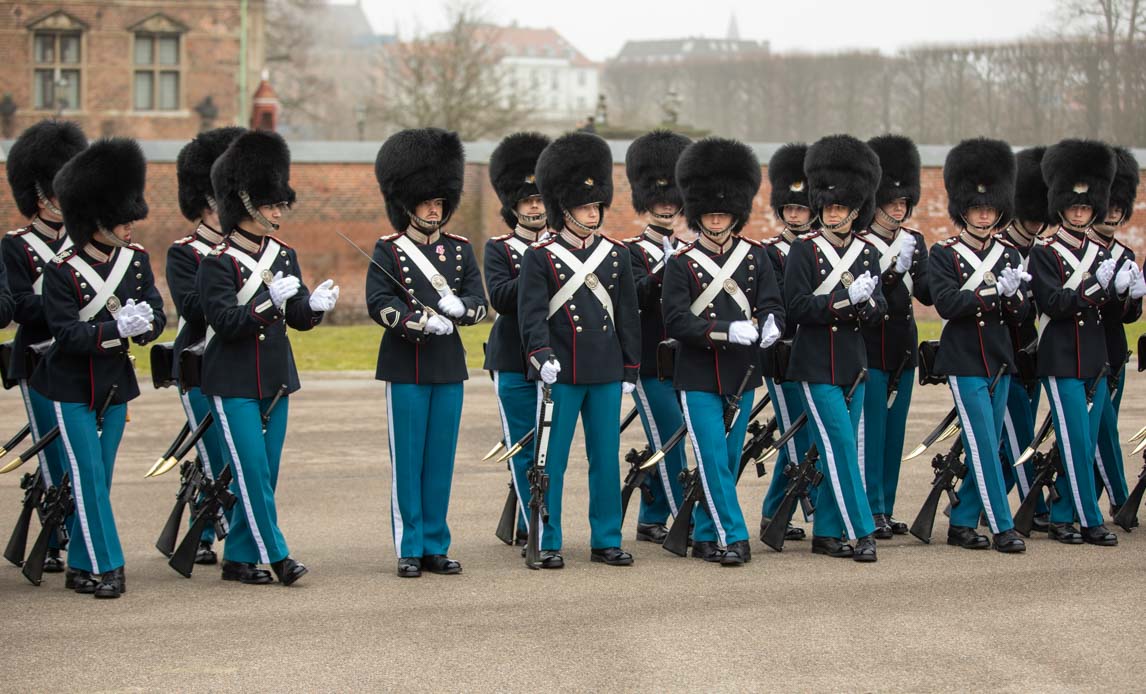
(33, 497)
(1047, 468)
(15, 440)
(191, 479)
(57, 506)
(1127, 515)
(179, 438)
(761, 437)
(802, 477)
(524, 441)
(539, 480)
(893, 382)
(677, 539)
(184, 446)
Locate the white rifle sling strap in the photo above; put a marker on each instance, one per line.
(656, 252)
(580, 272)
(784, 247)
(519, 246)
(979, 266)
(1077, 268)
(888, 254)
(435, 278)
(104, 289)
(721, 278)
(203, 249)
(839, 265)
(44, 253)
(252, 284)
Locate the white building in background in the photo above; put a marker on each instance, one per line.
(561, 82)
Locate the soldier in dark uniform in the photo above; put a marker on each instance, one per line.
(1125, 308)
(33, 161)
(976, 282)
(1030, 221)
(421, 357)
(98, 296)
(1074, 279)
(511, 171)
(892, 343)
(650, 165)
(831, 289)
(581, 330)
(197, 203)
(250, 291)
(7, 305)
(790, 204)
(722, 304)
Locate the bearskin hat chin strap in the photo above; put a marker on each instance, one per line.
(582, 227)
(533, 222)
(835, 228)
(887, 221)
(107, 237)
(212, 203)
(717, 235)
(1071, 227)
(46, 202)
(980, 233)
(262, 221)
(665, 220)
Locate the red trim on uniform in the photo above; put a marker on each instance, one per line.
(883, 345)
(31, 259)
(1077, 352)
(509, 258)
(573, 331)
(258, 370)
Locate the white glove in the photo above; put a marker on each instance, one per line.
(666, 244)
(437, 325)
(906, 254)
(627, 387)
(861, 288)
(452, 306)
(142, 310)
(283, 288)
(1124, 278)
(324, 296)
(1138, 286)
(549, 371)
(769, 333)
(1105, 272)
(543, 236)
(129, 324)
(1009, 281)
(742, 332)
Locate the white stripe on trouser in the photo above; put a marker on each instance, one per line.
(1102, 472)
(45, 473)
(1013, 443)
(785, 419)
(662, 466)
(508, 444)
(200, 447)
(973, 451)
(1067, 453)
(395, 510)
(860, 457)
(830, 459)
(264, 557)
(77, 487)
(537, 440)
(700, 466)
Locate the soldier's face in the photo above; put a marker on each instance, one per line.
(589, 215)
(834, 214)
(47, 214)
(123, 231)
(982, 216)
(665, 209)
(716, 222)
(1114, 216)
(896, 209)
(797, 215)
(430, 210)
(1079, 215)
(529, 207)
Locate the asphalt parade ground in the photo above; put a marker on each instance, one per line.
(924, 618)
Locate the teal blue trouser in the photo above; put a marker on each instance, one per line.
(881, 432)
(42, 419)
(841, 504)
(517, 404)
(981, 414)
(423, 425)
(1076, 429)
(788, 402)
(1018, 432)
(209, 447)
(254, 456)
(94, 542)
(660, 416)
(1108, 456)
(599, 408)
(717, 517)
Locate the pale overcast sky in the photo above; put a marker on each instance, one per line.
(600, 27)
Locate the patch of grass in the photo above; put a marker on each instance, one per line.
(355, 347)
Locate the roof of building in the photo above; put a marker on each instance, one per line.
(526, 42)
(688, 48)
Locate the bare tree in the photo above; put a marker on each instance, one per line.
(290, 40)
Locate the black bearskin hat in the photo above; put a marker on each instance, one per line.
(718, 175)
(258, 163)
(1125, 188)
(650, 165)
(899, 165)
(1078, 172)
(417, 165)
(1030, 188)
(193, 169)
(575, 169)
(511, 171)
(102, 187)
(786, 175)
(980, 173)
(842, 170)
(37, 156)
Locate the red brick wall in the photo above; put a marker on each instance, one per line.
(345, 197)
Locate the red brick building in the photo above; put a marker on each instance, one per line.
(144, 68)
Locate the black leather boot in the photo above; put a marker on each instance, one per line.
(111, 584)
(80, 581)
(288, 570)
(246, 573)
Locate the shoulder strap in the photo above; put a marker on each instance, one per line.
(45, 253)
(104, 288)
(979, 266)
(839, 265)
(581, 272)
(721, 278)
(435, 278)
(252, 284)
